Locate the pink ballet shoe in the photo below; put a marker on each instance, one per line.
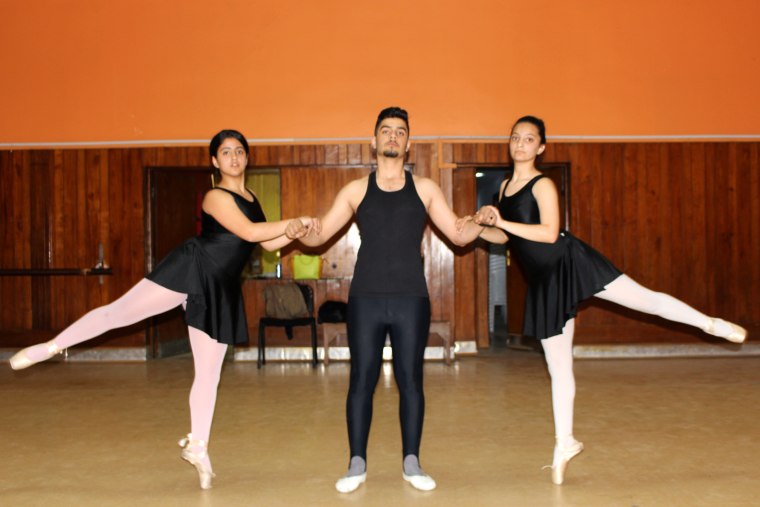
(196, 459)
(21, 359)
(562, 456)
(738, 334)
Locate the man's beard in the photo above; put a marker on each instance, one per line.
(390, 153)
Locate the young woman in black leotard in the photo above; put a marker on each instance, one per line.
(562, 271)
(202, 275)
(388, 292)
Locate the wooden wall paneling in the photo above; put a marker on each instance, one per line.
(126, 254)
(40, 196)
(260, 156)
(311, 191)
(497, 152)
(662, 205)
(610, 211)
(435, 247)
(439, 257)
(712, 255)
(731, 237)
(103, 213)
(285, 155)
(305, 155)
(89, 197)
(694, 207)
(722, 190)
(749, 272)
(64, 231)
(686, 239)
(354, 154)
(329, 155)
(467, 312)
(15, 245)
(368, 155)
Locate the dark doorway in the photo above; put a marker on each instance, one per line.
(506, 282)
(174, 197)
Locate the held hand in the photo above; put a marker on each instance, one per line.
(295, 229)
(311, 225)
(487, 215)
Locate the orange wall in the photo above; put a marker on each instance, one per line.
(144, 70)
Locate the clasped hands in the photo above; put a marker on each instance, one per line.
(486, 216)
(303, 226)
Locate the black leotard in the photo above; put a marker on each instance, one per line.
(207, 268)
(560, 274)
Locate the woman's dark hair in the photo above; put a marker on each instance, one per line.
(536, 122)
(218, 139)
(392, 112)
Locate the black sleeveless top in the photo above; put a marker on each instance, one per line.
(207, 268)
(560, 274)
(391, 225)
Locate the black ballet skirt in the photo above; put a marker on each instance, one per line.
(560, 274)
(207, 268)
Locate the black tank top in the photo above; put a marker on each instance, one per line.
(391, 225)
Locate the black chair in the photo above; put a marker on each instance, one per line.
(289, 324)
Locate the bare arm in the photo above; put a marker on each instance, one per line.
(488, 233)
(339, 214)
(223, 208)
(459, 232)
(548, 205)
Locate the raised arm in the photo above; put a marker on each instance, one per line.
(223, 208)
(339, 214)
(459, 232)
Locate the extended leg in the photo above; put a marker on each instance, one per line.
(145, 299)
(626, 292)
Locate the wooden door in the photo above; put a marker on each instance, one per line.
(173, 216)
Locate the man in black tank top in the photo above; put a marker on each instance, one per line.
(388, 294)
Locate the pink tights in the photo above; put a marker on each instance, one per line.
(144, 300)
(558, 349)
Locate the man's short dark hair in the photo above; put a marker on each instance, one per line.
(392, 112)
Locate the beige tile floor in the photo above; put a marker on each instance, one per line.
(675, 432)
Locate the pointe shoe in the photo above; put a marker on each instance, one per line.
(348, 484)
(738, 334)
(196, 459)
(21, 360)
(422, 482)
(562, 457)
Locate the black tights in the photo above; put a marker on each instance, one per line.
(407, 320)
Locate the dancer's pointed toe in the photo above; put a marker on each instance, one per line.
(196, 458)
(716, 327)
(22, 359)
(562, 456)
